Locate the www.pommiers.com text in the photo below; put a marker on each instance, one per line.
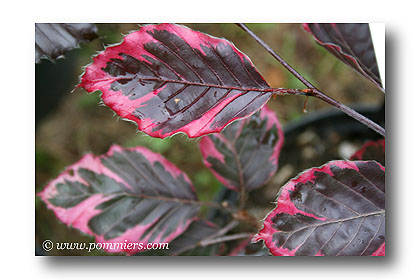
(48, 245)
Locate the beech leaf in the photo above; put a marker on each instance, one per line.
(351, 43)
(371, 150)
(127, 195)
(168, 78)
(54, 39)
(246, 152)
(337, 209)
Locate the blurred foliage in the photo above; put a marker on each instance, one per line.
(78, 125)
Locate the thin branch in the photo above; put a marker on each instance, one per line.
(218, 233)
(313, 91)
(208, 242)
(349, 111)
(224, 230)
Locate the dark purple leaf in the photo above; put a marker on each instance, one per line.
(246, 152)
(126, 195)
(351, 43)
(337, 209)
(54, 39)
(372, 150)
(168, 79)
(188, 242)
(247, 248)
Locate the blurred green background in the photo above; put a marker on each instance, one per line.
(77, 125)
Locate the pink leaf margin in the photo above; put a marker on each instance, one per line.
(208, 148)
(79, 215)
(94, 79)
(358, 155)
(336, 48)
(285, 205)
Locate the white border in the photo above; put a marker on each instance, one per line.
(17, 141)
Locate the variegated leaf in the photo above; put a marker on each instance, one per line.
(246, 152)
(168, 79)
(127, 195)
(351, 43)
(335, 210)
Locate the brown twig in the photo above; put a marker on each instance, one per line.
(225, 238)
(312, 90)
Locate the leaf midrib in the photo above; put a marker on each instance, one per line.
(223, 86)
(381, 212)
